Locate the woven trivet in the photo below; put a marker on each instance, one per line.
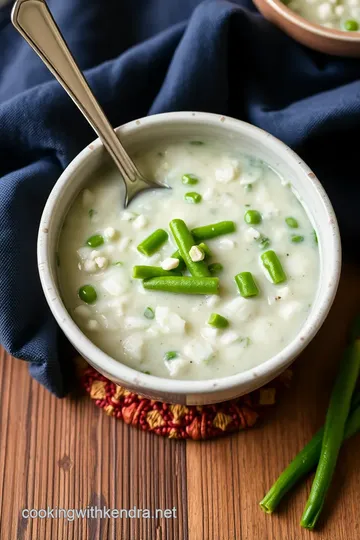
(181, 421)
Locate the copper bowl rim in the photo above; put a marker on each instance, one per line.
(291, 16)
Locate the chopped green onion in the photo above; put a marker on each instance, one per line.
(192, 197)
(153, 243)
(149, 313)
(170, 355)
(196, 143)
(315, 237)
(273, 266)
(87, 294)
(189, 179)
(264, 242)
(95, 241)
(118, 263)
(146, 372)
(218, 321)
(92, 212)
(291, 222)
(252, 217)
(215, 268)
(246, 284)
(296, 239)
(248, 187)
(351, 25)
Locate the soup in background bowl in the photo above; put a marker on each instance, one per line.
(266, 267)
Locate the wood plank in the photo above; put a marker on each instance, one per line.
(69, 454)
(227, 478)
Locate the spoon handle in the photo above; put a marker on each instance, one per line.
(33, 19)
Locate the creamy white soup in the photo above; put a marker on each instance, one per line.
(338, 14)
(206, 279)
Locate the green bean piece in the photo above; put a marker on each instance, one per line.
(153, 243)
(87, 294)
(95, 241)
(189, 179)
(205, 248)
(170, 355)
(291, 222)
(334, 429)
(252, 217)
(145, 272)
(297, 238)
(212, 231)
(215, 268)
(149, 313)
(185, 241)
(218, 321)
(351, 25)
(183, 285)
(305, 461)
(182, 265)
(246, 284)
(192, 197)
(273, 266)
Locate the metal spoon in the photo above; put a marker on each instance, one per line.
(33, 19)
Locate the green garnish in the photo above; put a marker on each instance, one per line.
(118, 263)
(215, 268)
(248, 187)
(192, 197)
(95, 241)
(218, 321)
(146, 372)
(351, 25)
(170, 355)
(189, 179)
(91, 212)
(264, 242)
(252, 217)
(291, 222)
(296, 239)
(149, 313)
(87, 294)
(315, 237)
(196, 143)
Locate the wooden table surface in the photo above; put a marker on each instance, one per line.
(69, 454)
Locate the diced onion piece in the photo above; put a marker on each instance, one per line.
(289, 309)
(176, 365)
(128, 216)
(251, 176)
(226, 174)
(226, 244)
(90, 266)
(124, 243)
(133, 346)
(198, 350)
(240, 307)
(251, 234)
(209, 334)
(92, 325)
(196, 254)
(135, 323)
(110, 233)
(101, 262)
(82, 311)
(229, 337)
(140, 222)
(212, 300)
(170, 263)
(113, 286)
(168, 321)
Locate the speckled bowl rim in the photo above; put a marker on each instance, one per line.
(332, 33)
(158, 385)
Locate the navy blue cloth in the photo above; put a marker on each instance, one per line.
(144, 57)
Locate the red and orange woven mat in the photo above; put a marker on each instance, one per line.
(182, 421)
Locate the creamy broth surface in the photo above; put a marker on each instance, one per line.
(230, 184)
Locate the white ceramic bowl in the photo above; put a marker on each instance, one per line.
(251, 140)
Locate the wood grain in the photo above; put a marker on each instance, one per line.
(67, 453)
